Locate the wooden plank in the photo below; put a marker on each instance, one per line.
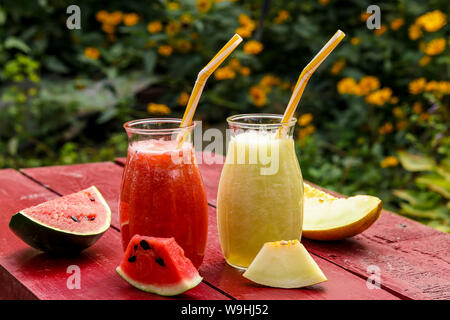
(341, 285)
(27, 273)
(391, 244)
(214, 270)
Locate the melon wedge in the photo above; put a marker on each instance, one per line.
(329, 218)
(284, 264)
(67, 224)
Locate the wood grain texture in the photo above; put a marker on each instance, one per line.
(413, 258)
(214, 270)
(26, 273)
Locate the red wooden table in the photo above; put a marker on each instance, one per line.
(413, 260)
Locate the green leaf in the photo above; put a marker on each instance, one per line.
(436, 183)
(406, 195)
(16, 43)
(150, 59)
(55, 65)
(415, 163)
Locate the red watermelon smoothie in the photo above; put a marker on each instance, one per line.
(162, 192)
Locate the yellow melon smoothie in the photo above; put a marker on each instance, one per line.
(260, 197)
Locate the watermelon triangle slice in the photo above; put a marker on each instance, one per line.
(158, 265)
(65, 224)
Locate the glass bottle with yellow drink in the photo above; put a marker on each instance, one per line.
(260, 195)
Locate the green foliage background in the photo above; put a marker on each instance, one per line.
(58, 106)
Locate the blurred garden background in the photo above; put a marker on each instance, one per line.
(374, 118)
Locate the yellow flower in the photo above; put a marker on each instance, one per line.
(389, 161)
(186, 19)
(368, 84)
(108, 28)
(224, 73)
(432, 21)
(424, 61)
(346, 86)
(432, 86)
(305, 119)
(417, 107)
(114, 18)
(393, 100)
(234, 63)
(414, 32)
(102, 15)
(91, 53)
(282, 16)
(354, 41)
(424, 116)
(165, 50)
(269, 81)
(253, 47)
(381, 30)
(154, 27)
(304, 132)
(435, 46)
(398, 112)
(183, 99)
(183, 45)
(203, 5)
(245, 71)
(172, 28)
(397, 23)
(379, 97)
(258, 96)
(338, 66)
(244, 32)
(401, 125)
(385, 128)
(247, 26)
(416, 86)
(364, 16)
(130, 19)
(155, 108)
(173, 6)
(245, 20)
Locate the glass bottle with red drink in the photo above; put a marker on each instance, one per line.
(162, 192)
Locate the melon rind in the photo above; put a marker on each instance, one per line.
(54, 240)
(166, 290)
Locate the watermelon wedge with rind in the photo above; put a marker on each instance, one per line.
(66, 224)
(158, 265)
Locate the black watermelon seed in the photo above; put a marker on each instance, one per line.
(135, 247)
(132, 259)
(144, 244)
(160, 261)
(92, 219)
(92, 199)
(75, 219)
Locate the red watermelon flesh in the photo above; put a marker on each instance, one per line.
(67, 224)
(82, 212)
(158, 265)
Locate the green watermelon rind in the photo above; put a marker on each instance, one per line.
(55, 240)
(172, 290)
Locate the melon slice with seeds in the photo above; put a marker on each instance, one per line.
(284, 264)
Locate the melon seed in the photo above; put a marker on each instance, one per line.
(132, 259)
(75, 219)
(92, 199)
(135, 247)
(144, 244)
(160, 261)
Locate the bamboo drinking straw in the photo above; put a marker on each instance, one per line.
(202, 77)
(306, 74)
